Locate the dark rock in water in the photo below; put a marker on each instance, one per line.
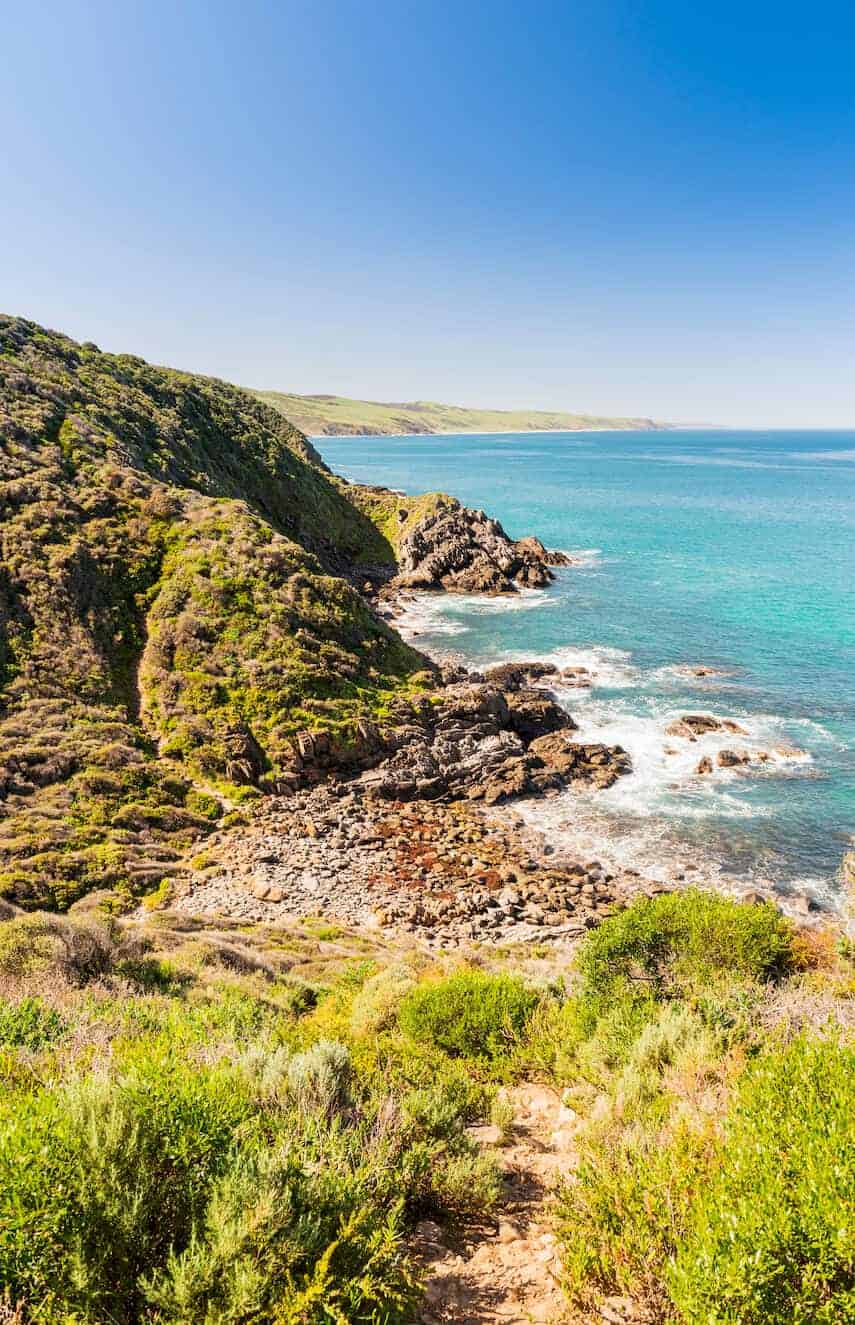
(693, 725)
(732, 758)
(515, 675)
(705, 765)
(464, 551)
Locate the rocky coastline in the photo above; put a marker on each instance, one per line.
(411, 828)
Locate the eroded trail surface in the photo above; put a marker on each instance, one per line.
(508, 1273)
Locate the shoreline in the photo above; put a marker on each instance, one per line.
(447, 872)
(455, 432)
(585, 830)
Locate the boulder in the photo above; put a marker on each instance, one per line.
(516, 675)
(600, 765)
(531, 714)
(732, 758)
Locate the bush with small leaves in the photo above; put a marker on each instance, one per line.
(770, 1235)
(470, 1014)
(319, 1078)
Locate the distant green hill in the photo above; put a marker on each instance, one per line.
(325, 416)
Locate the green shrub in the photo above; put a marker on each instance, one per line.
(771, 1236)
(100, 1178)
(287, 1243)
(470, 1014)
(663, 944)
(319, 1078)
(376, 1005)
(623, 1211)
(29, 1024)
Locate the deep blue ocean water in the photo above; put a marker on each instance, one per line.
(734, 550)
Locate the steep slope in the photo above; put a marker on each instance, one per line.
(172, 610)
(337, 415)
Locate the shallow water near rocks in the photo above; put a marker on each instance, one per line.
(731, 550)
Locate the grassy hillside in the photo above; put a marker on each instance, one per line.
(332, 415)
(171, 609)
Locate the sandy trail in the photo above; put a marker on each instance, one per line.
(509, 1272)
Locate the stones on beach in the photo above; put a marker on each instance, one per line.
(447, 874)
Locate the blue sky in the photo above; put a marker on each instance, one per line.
(620, 206)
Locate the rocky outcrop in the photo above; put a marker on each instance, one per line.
(693, 725)
(465, 551)
(516, 675)
(532, 713)
(471, 740)
(599, 765)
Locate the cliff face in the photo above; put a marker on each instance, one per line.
(172, 608)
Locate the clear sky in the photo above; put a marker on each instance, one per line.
(623, 206)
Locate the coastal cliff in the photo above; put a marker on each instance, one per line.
(180, 627)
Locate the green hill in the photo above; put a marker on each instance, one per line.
(172, 609)
(335, 415)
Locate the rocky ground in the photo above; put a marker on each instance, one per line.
(447, 874)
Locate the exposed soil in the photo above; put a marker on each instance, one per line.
(508, 1272)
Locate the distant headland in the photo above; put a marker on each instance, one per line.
(338, 416)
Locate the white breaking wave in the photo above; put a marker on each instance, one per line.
(582, 557)
(449, 614)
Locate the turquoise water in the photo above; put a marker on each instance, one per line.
(727, 549)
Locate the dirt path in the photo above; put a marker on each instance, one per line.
(508, 1273)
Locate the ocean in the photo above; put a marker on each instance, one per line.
(727, 550)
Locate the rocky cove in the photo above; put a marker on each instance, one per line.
(412, 827)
